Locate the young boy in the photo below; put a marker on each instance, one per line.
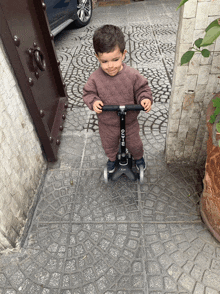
(115, 83)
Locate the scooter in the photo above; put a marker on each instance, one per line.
(125, 162)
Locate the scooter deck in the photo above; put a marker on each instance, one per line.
(124, 170)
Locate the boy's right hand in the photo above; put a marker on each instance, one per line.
(97, 106)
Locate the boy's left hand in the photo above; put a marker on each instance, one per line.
(146, 103)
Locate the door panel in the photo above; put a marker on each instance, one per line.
(26, 36)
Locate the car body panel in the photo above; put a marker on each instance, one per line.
(60, 11)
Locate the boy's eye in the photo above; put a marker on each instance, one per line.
(104, 61)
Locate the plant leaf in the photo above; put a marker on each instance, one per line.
(181, 3)
(205, 52)
(198, 42)
(216, 102)
(211, 35)
(217, 111)
(218, 127)
(212, 119)
(187, 57)
(212, 24)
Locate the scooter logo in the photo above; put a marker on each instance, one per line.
(123, 137)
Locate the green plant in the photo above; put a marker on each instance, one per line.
(216, 104)
(212, 33)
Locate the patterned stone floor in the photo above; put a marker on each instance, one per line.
(88, 237)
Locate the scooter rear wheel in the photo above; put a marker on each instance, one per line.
(106, 175)
(141, 174)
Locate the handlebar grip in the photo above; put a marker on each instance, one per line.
(110, 108)
(134, 107)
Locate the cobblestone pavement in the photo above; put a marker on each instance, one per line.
(88, 237)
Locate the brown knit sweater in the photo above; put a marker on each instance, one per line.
(127, 87)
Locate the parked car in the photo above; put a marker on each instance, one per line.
(63, 12)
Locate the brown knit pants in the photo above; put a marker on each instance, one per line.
(110, 136)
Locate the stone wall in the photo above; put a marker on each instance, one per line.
(21, 159)
(193, 86)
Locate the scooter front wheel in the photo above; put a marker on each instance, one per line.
(141, 174)
(106, 175)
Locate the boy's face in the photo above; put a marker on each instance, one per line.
(111, 62)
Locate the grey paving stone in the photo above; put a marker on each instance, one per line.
(211, 279)
(187, 282)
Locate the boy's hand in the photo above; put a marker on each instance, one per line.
(97, 106)
(146, 103)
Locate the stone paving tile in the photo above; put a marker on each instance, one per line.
(88, 237)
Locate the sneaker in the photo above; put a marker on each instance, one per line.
(140, 162)
(111, 166)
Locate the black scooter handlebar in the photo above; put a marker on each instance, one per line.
(110, 108)
(136, 107)
(132, 107)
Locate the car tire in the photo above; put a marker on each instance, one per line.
(84, 13)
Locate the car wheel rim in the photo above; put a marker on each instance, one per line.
(84, 10)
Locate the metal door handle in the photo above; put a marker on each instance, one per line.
(39, 58)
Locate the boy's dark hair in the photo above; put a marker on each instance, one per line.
(106, 38)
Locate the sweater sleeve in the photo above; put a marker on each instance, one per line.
(90, 94)
(142, 89)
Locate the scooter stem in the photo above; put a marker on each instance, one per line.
(122, 114)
